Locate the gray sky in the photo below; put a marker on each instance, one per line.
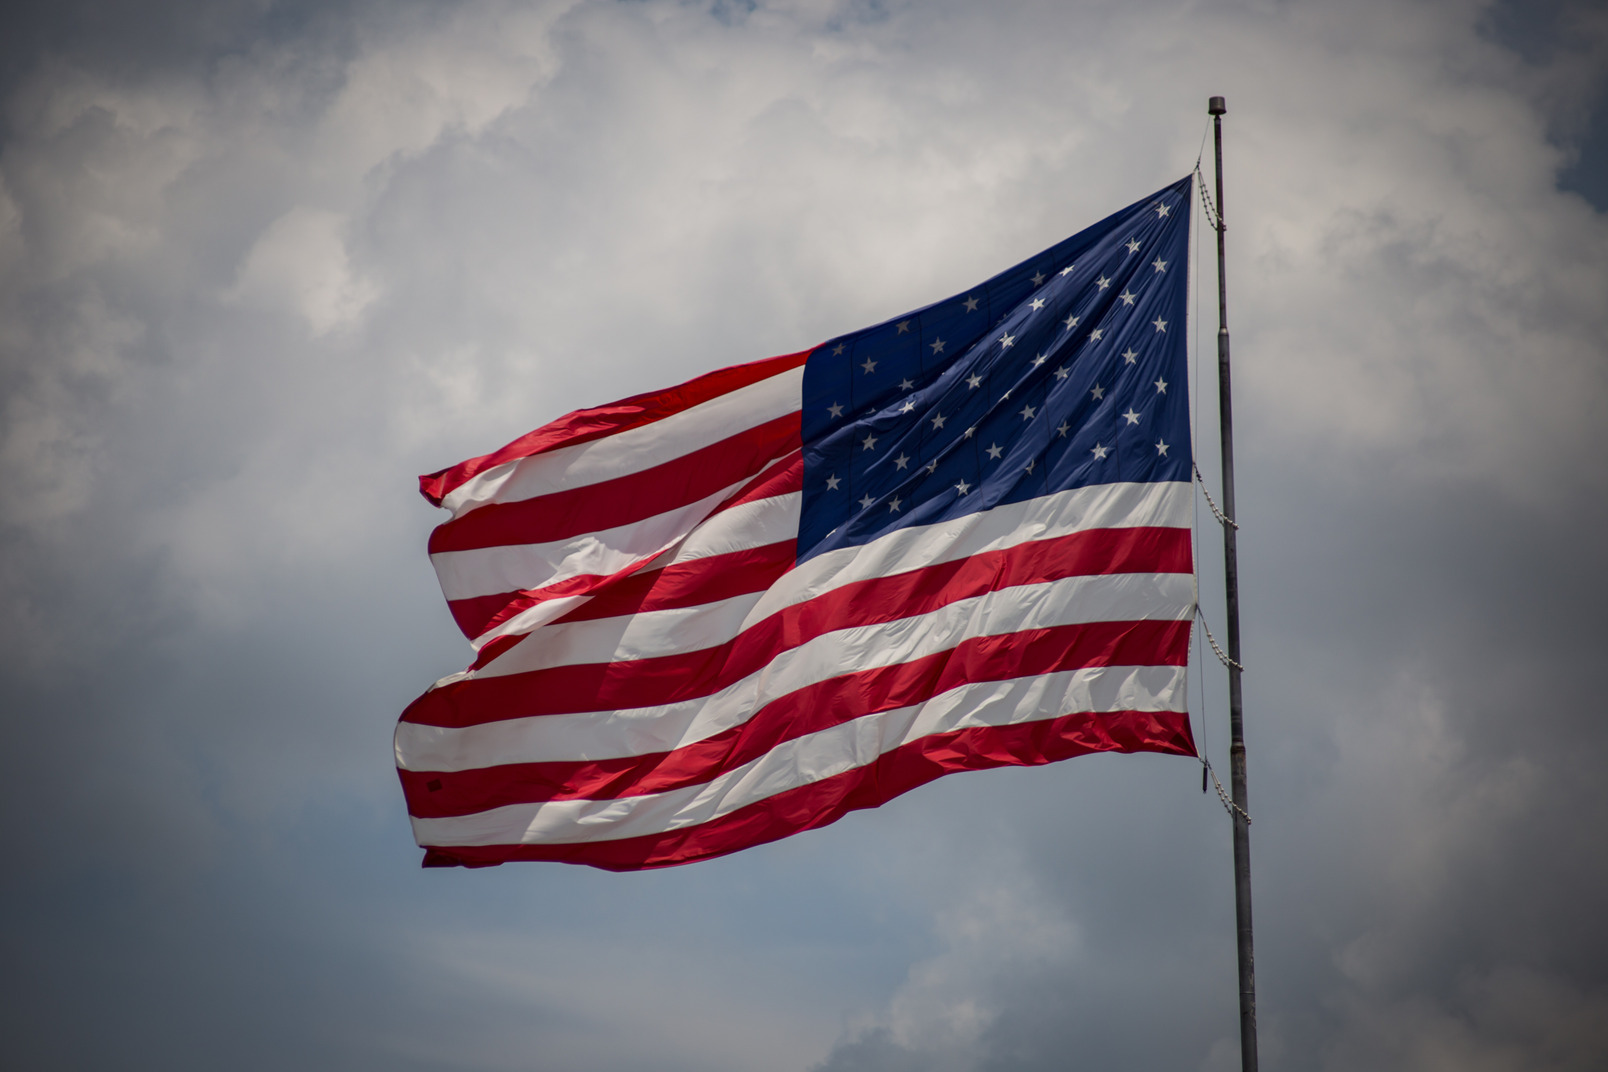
(262, 263)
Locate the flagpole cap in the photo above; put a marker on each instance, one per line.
(1216, 106)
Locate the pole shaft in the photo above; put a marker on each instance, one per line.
(1236, 710)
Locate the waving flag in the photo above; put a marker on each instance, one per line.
(715, 615)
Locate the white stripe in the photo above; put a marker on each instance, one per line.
(753, 524)
(511, 567)
(758, 523)
(633, 449)
(1048, 517)
(630, 636)
(815, 757)
(1099, 506)
(663, 727)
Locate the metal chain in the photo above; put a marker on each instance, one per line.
(1213, 220)
(1222, 794)
(1218, 514)
(1219, 652)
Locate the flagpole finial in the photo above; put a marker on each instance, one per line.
(1216, 106)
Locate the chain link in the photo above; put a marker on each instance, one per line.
(1222, 794)
(1219, 652)
(1213, 220)
(1218, 514)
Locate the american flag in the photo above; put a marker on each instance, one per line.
(719, 614)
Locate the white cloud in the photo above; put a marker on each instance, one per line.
(300, 266)
(948, 1001)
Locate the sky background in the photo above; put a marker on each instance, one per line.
(261, 263)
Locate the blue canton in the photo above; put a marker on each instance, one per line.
(1067, 370)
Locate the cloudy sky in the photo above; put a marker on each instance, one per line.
(263, 262)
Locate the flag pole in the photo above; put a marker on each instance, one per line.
(1216, 108)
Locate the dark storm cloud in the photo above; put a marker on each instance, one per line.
(1565, 37)
(261, 263)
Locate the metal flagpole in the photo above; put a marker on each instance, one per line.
(1236, 712)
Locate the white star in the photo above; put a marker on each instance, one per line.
(1097, 334)
(1039, 360)
(1127, 298)
(1130, 355)
(904, 326)
(937, 346)
(969, 431)
(835, 410)
(1161, 325)
(1161, 387)
(832, 482)
(971, 304)
(1133, 245)
(932, 466)
(1159, 265)
(909, 404)
(907, 385)
(994, 451)
(1031, 462)
(1037, 303)
(1161, 448)
(1038, 278)
(1102, 282)
(870, 366)
(1097, 393)
(869, 441)
(963, 487)
(1062, 373)
(1131, 416)
(974, 381)
(1006, 341)
(867, 502)
(1161, 210)
(1027, 413)
(837, 351)
(893, 505)
(1068, 269)
(937, 420)
(1006, 397)
(1099, 451)
(901, 461)
(1071, 322)
(1064, 429)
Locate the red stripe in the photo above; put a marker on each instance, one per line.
(646, 682)
(479, 614)
(585, 425)
(824, 704)
(784, 477)
(690, 584)
(890, 775)
(625, 499)
(684, 584)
